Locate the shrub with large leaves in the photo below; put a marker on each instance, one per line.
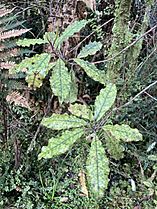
(81, 123)
(62, 80)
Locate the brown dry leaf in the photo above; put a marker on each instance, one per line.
(82, 180)
(17, 99)
(90, 4)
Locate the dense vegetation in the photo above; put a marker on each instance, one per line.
(78, 104)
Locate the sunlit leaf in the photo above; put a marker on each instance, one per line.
(123, 132)
(28, 42)
(65, 121)
(105, 100)
(97, 169)
(81, 111)
(91, 70)
(90, 49)
(36, 68)
(60, 144)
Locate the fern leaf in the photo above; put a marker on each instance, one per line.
(91, 70)
(65, 121)
(4, 11)
(12, 26)
(90, 49)
(70, 30)
(7, 65)
(61, 144)
(12, 33)
(104, 101)
(60, 80)
(5, 20)
(123, 132)
(97, 168)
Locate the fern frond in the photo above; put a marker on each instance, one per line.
(4, 11)
(19, 100)
(5, 20)
(4, 55)
(7, 65)
(13, 25)
(12, 33)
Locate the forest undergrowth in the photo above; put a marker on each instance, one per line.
(78, 104)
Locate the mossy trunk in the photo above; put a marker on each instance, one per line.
(121, 37)
(124, 63)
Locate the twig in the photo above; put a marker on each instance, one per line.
(150, 96)
(137, 95)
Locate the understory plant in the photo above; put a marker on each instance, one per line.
(84, 121)
(105, 138)
(62, 79)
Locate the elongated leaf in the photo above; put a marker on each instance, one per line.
(123, 132)
(36, 68)
(104, 101)
(72, 96)
(65, 121)
(60, 80)
(70, 30)
(61, 144)
(90, 49)
(28, 42)
(97, 169)
(91, 70)
(81, 111)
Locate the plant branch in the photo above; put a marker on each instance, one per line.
(137, 95)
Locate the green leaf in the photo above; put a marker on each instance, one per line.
(60, 80)
(60, 144)
(114, 146)
(123, 132)
(91, 70)
(36, 68)
(27, 42)
(97, 168)
(90, 49)
(81, 111)
(104, 101)
(70, 30)
(72, 96)
(65, 121)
